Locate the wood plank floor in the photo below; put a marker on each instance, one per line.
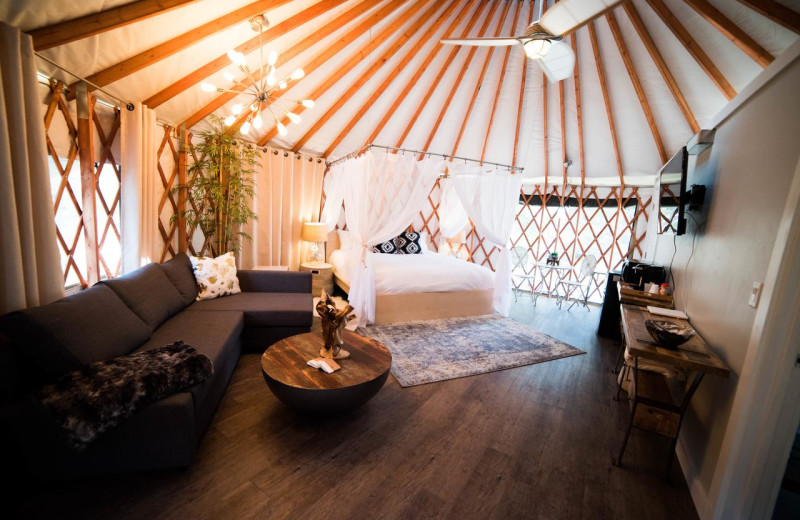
(532, 442)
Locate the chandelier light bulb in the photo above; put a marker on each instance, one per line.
(294, 118)
(282, 129)
(228, 76)
(237, 58)
(230, 120)
(273, 57)
(208, 87)
(245, 128)
(236, 109)
(308, 103)
(257, 121)
(282, 85)
(270, 79)
(298, 74)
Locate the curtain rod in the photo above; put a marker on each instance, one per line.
(415, 152)
(127, 104)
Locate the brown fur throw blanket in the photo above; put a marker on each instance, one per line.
(89, 401)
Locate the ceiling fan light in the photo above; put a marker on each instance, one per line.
(282, 129)
(294, 118)
(230, 120)
(308, 103)
(208, 87)
(536, 49)
(245, 128)
(297, 74)
(236, 109)
(257, 121)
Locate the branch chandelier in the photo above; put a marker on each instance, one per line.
(264, 92)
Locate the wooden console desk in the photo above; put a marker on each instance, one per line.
(653, 407)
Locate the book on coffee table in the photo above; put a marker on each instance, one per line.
(327, 365)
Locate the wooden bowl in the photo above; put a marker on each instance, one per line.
(668, 334)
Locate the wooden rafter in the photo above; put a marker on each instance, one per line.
(89, 25)
(177, 44)
(377, 63)
(500, 84)
(661, 65)
(607, 101)
(354, 59)
(691, 45)
(731, 31)
(521, 102)
(776, 12)
(637, 85)
(563, 133)
(222, 61)
(302, 46)
(461, 73)
(445, 66)
(579, 112)
(393, 74)
(481, 76)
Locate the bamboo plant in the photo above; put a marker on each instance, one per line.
(220, 188)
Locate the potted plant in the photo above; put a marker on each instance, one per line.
(220, 188)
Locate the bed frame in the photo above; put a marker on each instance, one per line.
(394, 308)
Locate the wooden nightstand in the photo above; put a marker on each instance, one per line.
(321, 277)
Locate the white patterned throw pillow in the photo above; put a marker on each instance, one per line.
(215, 277)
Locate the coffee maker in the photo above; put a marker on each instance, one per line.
(638, 274)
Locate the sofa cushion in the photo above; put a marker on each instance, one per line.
(149, 293)
(264, 309)
(215, 276)
(92, 325)
(215, 335)
(179, 271)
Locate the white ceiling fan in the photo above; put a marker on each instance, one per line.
(543, 39)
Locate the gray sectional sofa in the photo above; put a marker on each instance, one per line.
(150, 307)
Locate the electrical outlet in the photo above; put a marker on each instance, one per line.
(755, 293)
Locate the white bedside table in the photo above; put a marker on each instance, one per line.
(321, 276)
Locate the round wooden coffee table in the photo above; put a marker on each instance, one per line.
(313, 391)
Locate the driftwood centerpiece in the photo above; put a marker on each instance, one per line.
(333, 321)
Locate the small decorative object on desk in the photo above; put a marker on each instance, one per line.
(668, 334)
(665, 289)
(333, 321)
(328, 366)
(552, 259)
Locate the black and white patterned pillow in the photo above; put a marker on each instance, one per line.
(403, 244)
(385, 247)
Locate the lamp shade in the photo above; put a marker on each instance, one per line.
(314, 232)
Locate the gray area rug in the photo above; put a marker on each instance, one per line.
(437, 350)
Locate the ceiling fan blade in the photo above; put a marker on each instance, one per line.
(482, 42)
(558, 63)
(568, 15)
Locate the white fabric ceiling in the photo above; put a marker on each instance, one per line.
(638, 153)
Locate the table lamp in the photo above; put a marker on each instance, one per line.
(314, 232)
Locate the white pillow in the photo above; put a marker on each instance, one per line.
(423, 241)
(215, 277)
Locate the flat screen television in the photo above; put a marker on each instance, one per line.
(675, 197)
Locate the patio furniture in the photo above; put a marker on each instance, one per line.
(581, 283)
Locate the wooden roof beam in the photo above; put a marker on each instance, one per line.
(96, 23)
(637, 85)
(691, 45)
(412, 53)
(500, 83)
(579, 112)
(302, 46)
(221, 62)
(563, 110)
(661, 65)
(607, 101)
(521, 103)
(478, 85)
(378, 64)
(179, 43)
(776, 12)
(432, 88)
(731, 31)
(354, 59)
(460, 77)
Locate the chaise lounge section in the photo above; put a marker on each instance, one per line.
(148, 308)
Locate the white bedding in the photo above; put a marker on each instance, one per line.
(428, 272)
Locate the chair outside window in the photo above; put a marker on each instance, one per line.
(582, 284)
(523, 270)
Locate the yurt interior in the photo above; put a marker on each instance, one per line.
(293, 259)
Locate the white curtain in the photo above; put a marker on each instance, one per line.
(452, 215)
(490, 198)
(335, 181)
(383, 193)
(140, 188)
(30, 263)
(288, 191)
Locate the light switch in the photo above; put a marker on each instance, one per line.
(755, 294)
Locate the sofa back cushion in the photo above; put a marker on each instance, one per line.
(148, 293)
(92, 325)
(180, 272)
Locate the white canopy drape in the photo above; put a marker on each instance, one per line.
(335, 181)
(452, 215)
(382, 194)
(490, 198)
